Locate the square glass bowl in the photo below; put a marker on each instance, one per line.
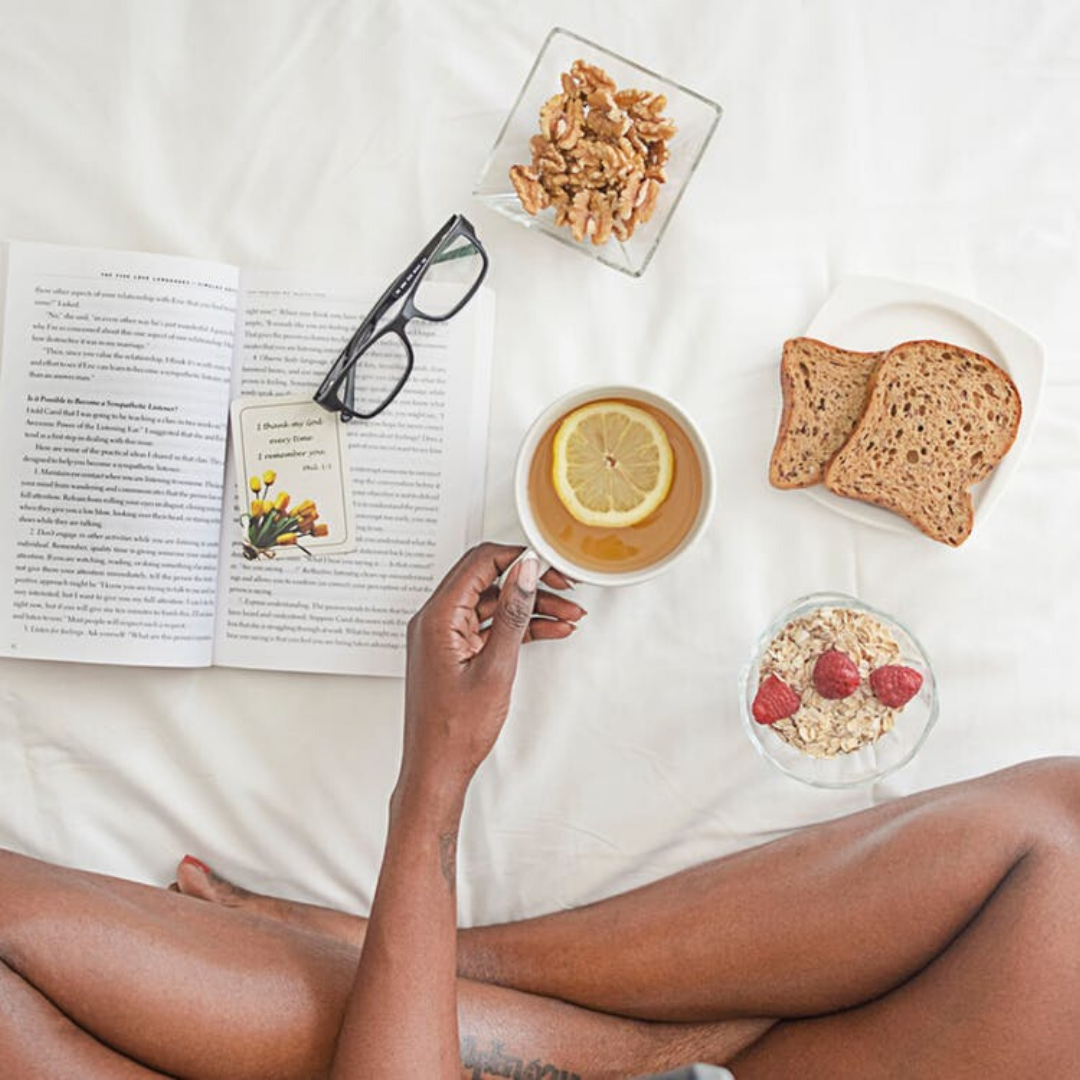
(870, 763)
(695, 117)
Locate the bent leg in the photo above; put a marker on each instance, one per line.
(203, 991)
(39, 1041)
(821, 920)
(1003, 1000)
(185, 988)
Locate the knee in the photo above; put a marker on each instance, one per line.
(1047, 793)
(1056, 776)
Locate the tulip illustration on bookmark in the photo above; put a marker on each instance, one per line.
(292, 471)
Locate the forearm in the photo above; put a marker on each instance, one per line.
(401, 1016)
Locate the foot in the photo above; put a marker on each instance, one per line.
(194, 878)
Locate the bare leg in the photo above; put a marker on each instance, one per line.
(1001, 1001)
(199, 990)
(823, 920)
(940, 934)
(38, 1040)
(820, 921)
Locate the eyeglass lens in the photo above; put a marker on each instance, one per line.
(451, 275)
(377, 374)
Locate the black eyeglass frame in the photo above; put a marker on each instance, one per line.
(405, 285)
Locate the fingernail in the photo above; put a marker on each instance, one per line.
(528, 572)
(197, 863)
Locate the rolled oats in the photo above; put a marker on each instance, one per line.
(600, 157)
(824, 727)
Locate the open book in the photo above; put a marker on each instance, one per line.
(121, 539)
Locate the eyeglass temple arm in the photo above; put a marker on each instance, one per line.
(399, 286)
(409, 275)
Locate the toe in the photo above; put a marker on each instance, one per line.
(195, 878)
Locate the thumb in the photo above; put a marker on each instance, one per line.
(513, 612)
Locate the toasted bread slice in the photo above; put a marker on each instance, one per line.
(825, 391)
(938, 420)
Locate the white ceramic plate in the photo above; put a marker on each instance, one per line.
(870, 314)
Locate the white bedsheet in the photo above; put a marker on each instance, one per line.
(928, 141)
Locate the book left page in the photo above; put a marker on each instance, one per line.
(115, 372)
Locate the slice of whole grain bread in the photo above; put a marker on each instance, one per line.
(938, 420)
(824, 393)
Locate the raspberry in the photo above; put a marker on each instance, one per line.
(774, 700)
(895, 685)
(835, 675)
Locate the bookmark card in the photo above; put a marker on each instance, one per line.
(292, 472)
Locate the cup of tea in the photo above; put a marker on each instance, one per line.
(613, 484)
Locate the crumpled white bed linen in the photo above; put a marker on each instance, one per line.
(924, 141)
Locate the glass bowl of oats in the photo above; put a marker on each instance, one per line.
(858, 730)
(597, 152)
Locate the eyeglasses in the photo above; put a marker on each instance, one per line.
(378, 360)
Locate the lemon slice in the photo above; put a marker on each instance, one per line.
(611, 464)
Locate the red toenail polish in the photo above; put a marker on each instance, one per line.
(197, 863)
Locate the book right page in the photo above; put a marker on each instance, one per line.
(417, 482)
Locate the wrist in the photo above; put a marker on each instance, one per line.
(436, 801)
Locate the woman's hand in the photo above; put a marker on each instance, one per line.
(460, 670)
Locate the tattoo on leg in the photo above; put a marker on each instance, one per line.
(448, 858)
(496, 1061)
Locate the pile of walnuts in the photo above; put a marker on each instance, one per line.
(599, 158)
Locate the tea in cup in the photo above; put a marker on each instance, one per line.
(613, 483)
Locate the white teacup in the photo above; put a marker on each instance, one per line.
(534, 436)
